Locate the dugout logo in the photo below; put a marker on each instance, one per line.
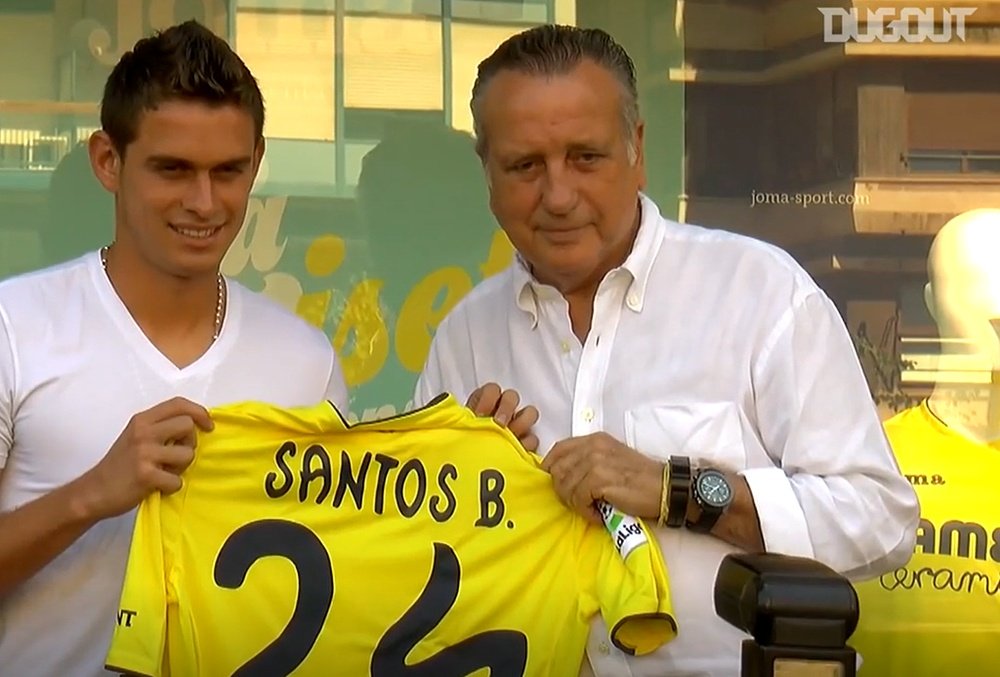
(907, 24)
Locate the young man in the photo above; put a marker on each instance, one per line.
(108, 362)
(653, 349)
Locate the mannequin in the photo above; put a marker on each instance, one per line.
(939, 614)
(963, 296)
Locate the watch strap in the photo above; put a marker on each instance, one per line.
(679, 490)
(705, 522)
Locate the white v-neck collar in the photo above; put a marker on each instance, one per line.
(141, 344)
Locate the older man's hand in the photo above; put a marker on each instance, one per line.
(491, 400)
(598, 467)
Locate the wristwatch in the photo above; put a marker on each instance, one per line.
(713, 494)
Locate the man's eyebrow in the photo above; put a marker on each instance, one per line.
(513, 156)
(520, 155)
(587, 145)
(166, 160)
(236, 162)
(171, 160)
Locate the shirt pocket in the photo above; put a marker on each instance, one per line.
(710, 433)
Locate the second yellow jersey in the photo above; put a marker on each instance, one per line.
(427, 544)
(940, 614)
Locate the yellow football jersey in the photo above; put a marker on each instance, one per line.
(428, 544)
(940, 614)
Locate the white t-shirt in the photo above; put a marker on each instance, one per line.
(715, 346)
(74, 368)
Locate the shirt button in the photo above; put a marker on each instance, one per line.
(564, 346)
(588, 414)
(604, 648)
(633, 301)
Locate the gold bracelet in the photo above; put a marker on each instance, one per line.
(664, 495)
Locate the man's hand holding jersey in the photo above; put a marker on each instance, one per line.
(149, 455)
(152, 451)
(597, 467)
(593, 468)
(501, 405)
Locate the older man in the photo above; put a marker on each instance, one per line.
(696, 378)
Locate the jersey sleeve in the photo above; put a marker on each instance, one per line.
(137, 646)
(629, 586)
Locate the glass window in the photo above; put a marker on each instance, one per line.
(504, 11)
(988, 163)
(393, 63)
(952, 161)
(934, 161)
(292, 56)
(471, 43)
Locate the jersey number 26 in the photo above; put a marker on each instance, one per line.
(504, 652)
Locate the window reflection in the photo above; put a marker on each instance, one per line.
(370, 216)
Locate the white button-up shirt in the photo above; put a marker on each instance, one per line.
(718, 347)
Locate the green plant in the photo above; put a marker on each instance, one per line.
(884, 365)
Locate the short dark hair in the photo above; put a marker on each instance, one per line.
(553, 49)
(185, 62)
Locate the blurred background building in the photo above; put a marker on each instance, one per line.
(853, 151)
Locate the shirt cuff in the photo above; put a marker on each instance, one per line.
(782, 522)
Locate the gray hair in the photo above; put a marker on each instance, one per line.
(555, 50)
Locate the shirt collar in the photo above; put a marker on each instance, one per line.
(525, 292)
(639, 264)
(644, 250)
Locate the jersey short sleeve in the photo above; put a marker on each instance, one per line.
(137, 646)
(632, 593)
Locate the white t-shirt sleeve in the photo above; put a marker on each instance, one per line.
(7, 379)
(336, 387)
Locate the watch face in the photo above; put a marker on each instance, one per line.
(713, 489)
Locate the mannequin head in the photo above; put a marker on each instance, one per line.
(963, 294)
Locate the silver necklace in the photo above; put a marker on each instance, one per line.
(219, 303)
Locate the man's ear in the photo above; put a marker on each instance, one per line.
(640, 154)
(258, 156)
(104, 160)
